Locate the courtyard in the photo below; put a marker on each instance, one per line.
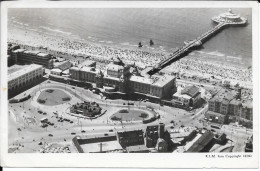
(53, 97)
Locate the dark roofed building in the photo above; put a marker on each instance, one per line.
(131, 138)
(64, 65)
(137, 149)
(201, 143)
(23, 56)
(191, 91)
(189, 97)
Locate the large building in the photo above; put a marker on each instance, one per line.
(100, 144)
(189, 97)
(22, 76)
(156, 136)
(117, 78)
(85, 74)
(228, 105)
(22, 56)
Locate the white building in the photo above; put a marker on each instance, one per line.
(21, 76)
(187, 97)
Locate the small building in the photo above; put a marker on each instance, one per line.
(56, 71)
(21, 76)
(201, 142)
(130, 138)
(137, 149)
(64, 65)
(216, 117)
(97, 144)
(188, 97)
(87, 63)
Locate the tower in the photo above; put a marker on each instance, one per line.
(99, 79)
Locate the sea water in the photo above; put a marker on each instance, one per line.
(168, 28)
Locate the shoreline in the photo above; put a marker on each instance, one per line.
(198, 62)
(31, 40)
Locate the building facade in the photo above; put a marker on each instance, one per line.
(189, 97)
(22, 56)
(117, 76)
(226, 106)
(29, 74)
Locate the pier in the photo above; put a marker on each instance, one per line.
(196, 43)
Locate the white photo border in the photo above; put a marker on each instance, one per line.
(151, 160)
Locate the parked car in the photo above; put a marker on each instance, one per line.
(213, 130)
(106, 134)
(50, 135)
(73, 133)
(111, 130)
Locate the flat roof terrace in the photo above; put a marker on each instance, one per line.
(18, 73)
(15, 68)
(99, 147)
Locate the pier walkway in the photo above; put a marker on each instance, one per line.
(188, 47)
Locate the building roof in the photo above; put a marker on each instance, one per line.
(107, 146)
(25, 70)
(64, 65)
(162, 80)
(201, 142)
(114, 67)
(19, 50)
(248, 104)
(31, 52)
(190, 90)
(137, 148)
(224, 94)
(56, 70)
(178, 94)
(139, 79)
(84, 69)
(15, 68)
(87, 63)
(42, 54)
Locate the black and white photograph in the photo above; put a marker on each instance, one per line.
(130, 80)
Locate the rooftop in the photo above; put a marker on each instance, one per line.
(161, 81)
(19, 50)
(26, 69)
(190, 90)
(106, 146)
(32, 52)
(15, 68)
(139, 79)
(64, 65)
(136, 148)
(87, 63)
(178, 94)
(201, 142)
(224, 95)
(114, 67)
(42, 54)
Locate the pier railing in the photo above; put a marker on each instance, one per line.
(198, 41)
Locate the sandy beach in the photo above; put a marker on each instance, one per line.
(197, 63)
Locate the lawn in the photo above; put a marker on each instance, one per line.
(127, 115)
(52, 97)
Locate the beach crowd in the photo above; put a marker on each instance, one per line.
(73, 48)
